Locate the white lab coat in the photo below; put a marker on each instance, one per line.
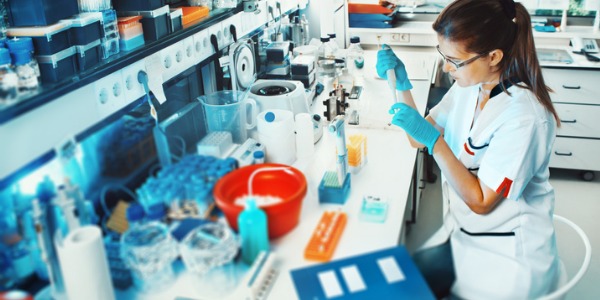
(509, 253)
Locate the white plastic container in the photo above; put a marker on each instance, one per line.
(305, 146)
(276, 133)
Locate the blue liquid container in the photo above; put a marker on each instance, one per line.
(252, 224)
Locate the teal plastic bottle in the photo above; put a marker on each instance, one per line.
(252, 224)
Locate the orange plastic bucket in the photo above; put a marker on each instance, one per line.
(281, 217)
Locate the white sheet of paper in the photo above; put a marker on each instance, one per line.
(330, 284)
(353, 279)
(155, 79)
(390, 269)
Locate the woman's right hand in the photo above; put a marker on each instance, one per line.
(386, 60)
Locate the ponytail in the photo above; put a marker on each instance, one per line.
(522, 62)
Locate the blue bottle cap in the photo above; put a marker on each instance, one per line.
(4, 56)
(18, 44)
(325, 39)
(156, 212)
(355, 40)
(21, 57)
(258, 154)
(270, 117)
(135, 212)
(331, 35)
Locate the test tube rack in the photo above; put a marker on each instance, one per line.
(259, 280)
(326, 236)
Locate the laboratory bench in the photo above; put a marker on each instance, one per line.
(388, 174)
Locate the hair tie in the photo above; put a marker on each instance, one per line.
(509, 8)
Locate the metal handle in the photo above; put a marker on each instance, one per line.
(569, 121)
(563, 154)
(571, 87)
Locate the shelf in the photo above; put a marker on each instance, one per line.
(50, 92)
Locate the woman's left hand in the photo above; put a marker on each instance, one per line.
(415, 125)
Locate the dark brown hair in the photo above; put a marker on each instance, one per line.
(484, 25)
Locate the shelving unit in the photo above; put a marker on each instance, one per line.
(76, 107)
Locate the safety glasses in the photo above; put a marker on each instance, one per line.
(459, 64)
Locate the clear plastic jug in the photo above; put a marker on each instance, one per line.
(229, 111)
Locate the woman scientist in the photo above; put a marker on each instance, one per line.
(497, 125)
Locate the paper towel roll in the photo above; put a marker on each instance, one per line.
(84, 265)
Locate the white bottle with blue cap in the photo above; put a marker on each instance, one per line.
(276, 132)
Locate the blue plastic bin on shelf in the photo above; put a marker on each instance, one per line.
(47, 40)
(59, 66)
(85, 28)
(132, 43)
(176, 19)
(156, 23)
(133, 5)
(40, 12)
(89, 56)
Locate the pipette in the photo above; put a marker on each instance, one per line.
(391, 75)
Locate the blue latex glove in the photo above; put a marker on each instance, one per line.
(386, 59)
(415, 125)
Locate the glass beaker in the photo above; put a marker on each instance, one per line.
(229, 111)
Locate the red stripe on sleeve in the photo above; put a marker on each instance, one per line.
(468, 150)
(504, 187)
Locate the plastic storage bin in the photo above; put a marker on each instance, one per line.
(110, 46)
(89, 56)
(193, 14)
(85, 28)
(134, 5)
(132, 43)
(176, 19)
(40, 12)
(47, 40)
(59, 66)
(155, 23)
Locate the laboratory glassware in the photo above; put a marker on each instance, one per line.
(228, 111)
(149, 250)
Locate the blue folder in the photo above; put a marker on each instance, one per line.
(384, 274)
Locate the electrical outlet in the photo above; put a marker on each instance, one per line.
(133, 88)
(189, 57)
(172, 59)
(234, 21)
(216, 30)
(201, 46)
(400, 37)
(109, 93)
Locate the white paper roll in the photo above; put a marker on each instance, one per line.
(84, 265)
(305, 143)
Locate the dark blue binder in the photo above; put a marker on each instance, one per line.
(384, 274)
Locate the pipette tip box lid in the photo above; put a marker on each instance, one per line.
(193, 14)
(47, 40)
(330, 191)
(85, 28)
(59, 66)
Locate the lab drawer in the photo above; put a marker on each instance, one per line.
(574, 153)
(573, 86)
(578, 120)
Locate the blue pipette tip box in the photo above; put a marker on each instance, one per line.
(330, 190)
